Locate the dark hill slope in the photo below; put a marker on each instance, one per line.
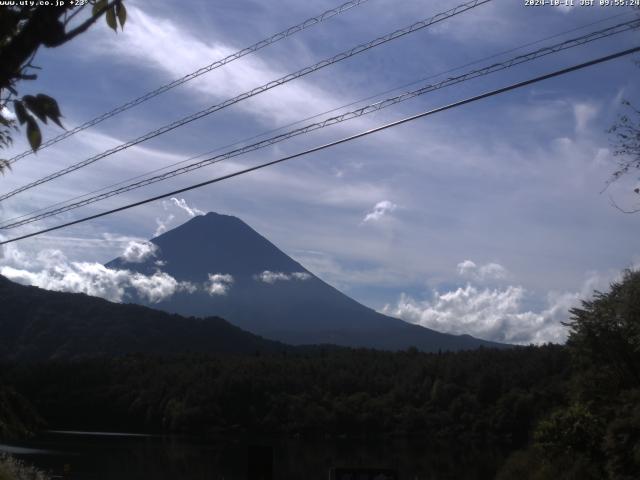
(37, 324)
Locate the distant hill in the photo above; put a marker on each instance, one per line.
(271, 294)
(37, 324)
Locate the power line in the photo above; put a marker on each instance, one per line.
(263, 88)
(201, 71)
(365, 110)
(527, 57)
(411, 118)
(8, 223)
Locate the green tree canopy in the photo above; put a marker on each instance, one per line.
(605, 331)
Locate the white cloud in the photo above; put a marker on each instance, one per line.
(497, 313)
(300, 276)
(272, 277)
(584, 113)
(163, 224)
(491, 271)
(158, 286)
(166, 46)
(51, 270)
(219, 283)
(380, 210)
(491, 314)
(10, 254)
(182, 204)
(138, 252)
(80, 277)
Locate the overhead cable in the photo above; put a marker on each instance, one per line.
(201, 71)
(396, 123)
(256, 91)
(317, 115)
(359, 112)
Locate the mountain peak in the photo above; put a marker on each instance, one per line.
(209, 218)
(213, 244)
(269, 293)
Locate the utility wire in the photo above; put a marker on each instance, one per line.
(297, 122)
(496, 67)
(201, 71)
(267, 86)
(411, 118)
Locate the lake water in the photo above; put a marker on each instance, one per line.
(114, 456)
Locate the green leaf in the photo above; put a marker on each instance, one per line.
(50, 108)
(33, 134)
(21, 112)
(111, 19)
(34, 105)
(121, 12)
(99, 5)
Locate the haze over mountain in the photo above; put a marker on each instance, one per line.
(237, 274)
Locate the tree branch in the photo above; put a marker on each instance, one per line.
(75, 12)
(84, 26)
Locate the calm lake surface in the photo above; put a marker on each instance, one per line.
(113, 456)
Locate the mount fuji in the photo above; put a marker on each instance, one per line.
(235, 273)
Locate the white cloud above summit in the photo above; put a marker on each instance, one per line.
(174, 206)
(181, 203)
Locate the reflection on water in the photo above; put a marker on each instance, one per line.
(99, 456)
(98, 434)
(18, 450)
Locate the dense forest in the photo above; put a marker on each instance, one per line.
(482, 396)
(568, 412)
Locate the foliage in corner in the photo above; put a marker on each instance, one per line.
(13, 469)
(26, 28)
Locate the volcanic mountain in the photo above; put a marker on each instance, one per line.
(237, 274)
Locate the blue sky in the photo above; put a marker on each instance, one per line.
(487, 219)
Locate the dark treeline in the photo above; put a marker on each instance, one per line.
(567, 412)
(484, 396)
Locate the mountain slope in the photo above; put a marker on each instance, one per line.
(39, 324)
(271, 294)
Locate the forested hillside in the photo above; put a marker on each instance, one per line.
(38, 324)
(561, 412)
